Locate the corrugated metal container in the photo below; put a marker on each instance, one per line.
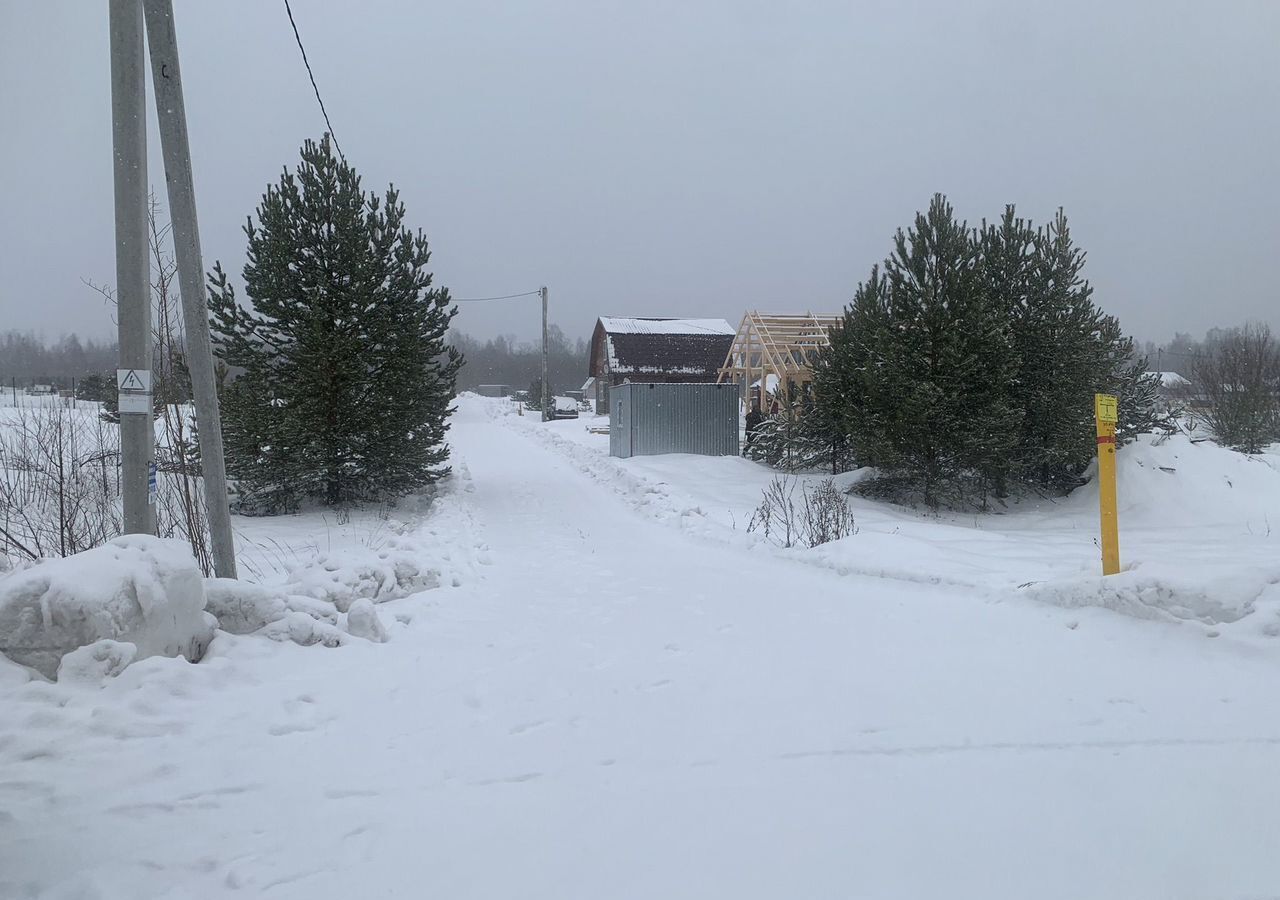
(646, 419)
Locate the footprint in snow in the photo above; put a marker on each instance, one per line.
(524, 727)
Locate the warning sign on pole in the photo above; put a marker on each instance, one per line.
(134, 387)
(1106, 413)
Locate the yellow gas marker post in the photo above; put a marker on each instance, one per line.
(1105, 413)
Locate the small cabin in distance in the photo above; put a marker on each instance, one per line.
(655, 351)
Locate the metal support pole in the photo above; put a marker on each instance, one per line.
(133, 287)
(546, 388)
(175, 145)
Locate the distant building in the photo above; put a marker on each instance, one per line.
(1171, 380)
(494, 390)
(656, 350)
(1175, 390)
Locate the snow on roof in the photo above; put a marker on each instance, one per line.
(699, 354)
(631, 325)
(1172, 379)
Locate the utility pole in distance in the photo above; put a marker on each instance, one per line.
(174, 144)
(133, 284)
(546, 388)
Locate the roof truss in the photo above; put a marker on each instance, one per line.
(782, 345)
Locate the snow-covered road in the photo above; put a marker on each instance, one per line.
(617, 709)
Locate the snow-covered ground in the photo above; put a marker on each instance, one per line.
(617, 692)
(281, 550)
(1196, 522)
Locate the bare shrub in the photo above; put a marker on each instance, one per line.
(827, 515)
(1236, 385)
(821, 515)
(59, 482)
(776, 516)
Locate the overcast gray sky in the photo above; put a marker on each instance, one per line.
(695, 157)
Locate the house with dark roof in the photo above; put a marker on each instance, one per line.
(657, 350)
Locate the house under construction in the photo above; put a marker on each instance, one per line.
(774, 354)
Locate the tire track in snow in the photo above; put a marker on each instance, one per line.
(1028, 747)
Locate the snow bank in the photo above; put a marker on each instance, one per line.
(315, 597)
(96, 662)
(363, 622)
(1165, 591)
(305, 630)
(12, 674)
(136, 589)
(433, 547)
(1175, 482)
(345, 576)
(241, 607)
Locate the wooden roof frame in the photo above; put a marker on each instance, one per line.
(785, 346)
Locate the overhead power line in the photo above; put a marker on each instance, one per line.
(487, 299)
(312, 76)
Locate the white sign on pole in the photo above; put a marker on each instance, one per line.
(134, 380)
(135, 390)
(135, 403)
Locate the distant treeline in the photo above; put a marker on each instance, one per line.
(30, 359)
(1180, 354)
(503, 360)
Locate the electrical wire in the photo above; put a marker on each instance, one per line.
(312, 76)
(487, 299)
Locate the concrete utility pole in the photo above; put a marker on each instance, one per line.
(167, 80)
(133, 284)
(546, 388)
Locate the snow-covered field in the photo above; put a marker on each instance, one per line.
(616, 691)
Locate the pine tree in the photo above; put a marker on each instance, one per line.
(347, 380)
(920, 366)
(971, 364)
(803, 436)
(1068, 350)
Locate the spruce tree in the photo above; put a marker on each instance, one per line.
(347, 380)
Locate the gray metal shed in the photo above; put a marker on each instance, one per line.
(646, 419)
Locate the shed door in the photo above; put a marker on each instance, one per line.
(624, 434)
